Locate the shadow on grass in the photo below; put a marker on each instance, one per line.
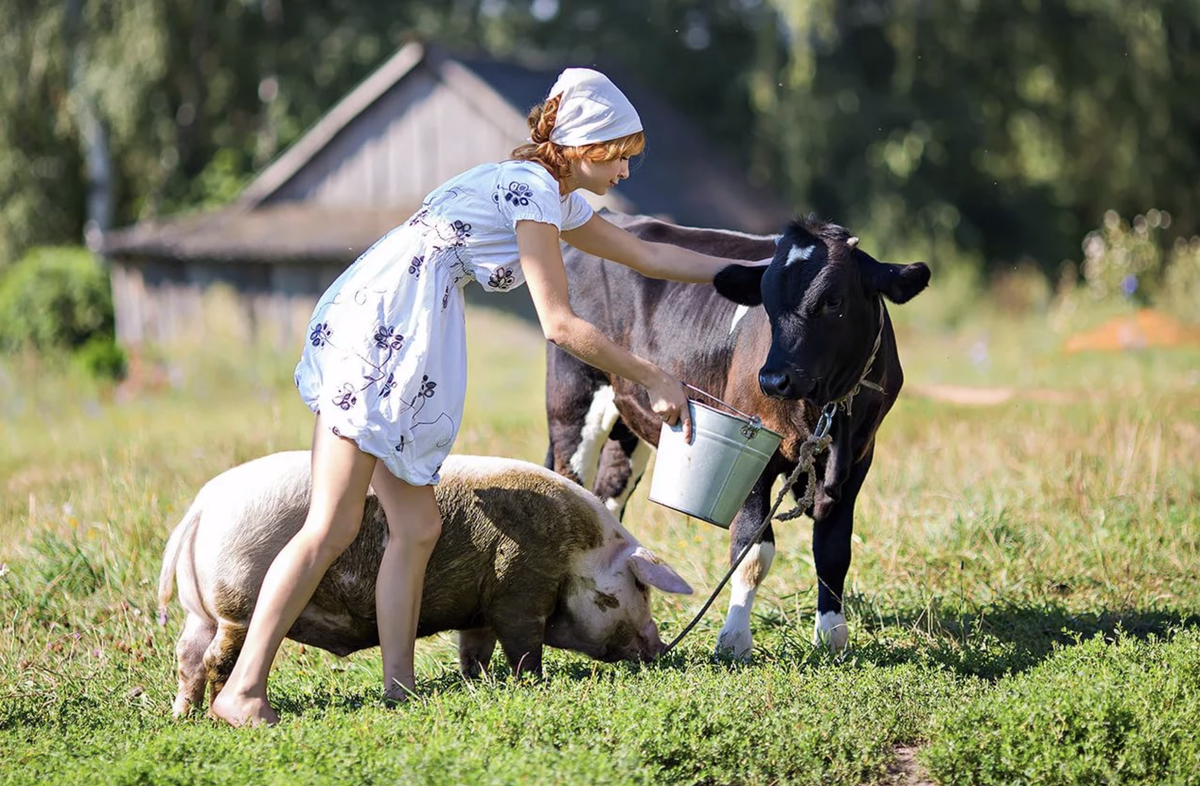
(988, 642)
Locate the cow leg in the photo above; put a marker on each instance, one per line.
(221, 654)
(622, 465)
(475, 651)
(580, 413)
(735, 638)
(189, 651)
(831, 553)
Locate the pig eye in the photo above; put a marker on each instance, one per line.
(642, 588)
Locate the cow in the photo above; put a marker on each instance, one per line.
(781, 341)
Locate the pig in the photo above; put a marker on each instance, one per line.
(525, 557)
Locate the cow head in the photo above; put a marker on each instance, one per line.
(821, 296)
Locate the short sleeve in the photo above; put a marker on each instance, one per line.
(527, 193)
(576, 212)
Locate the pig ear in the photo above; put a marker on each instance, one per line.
(653, 571)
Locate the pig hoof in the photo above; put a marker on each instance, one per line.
(736, 644)
(831, 631)
(182, 707)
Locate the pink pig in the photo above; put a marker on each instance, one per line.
(525, 558)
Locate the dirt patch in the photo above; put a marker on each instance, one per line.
(905, 770)
(984, 397)
(1143, 329)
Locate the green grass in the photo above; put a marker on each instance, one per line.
(1023, 601)
(1099, 712)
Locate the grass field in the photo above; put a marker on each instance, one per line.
(1024, 600)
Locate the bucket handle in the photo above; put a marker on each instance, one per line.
(749, 430)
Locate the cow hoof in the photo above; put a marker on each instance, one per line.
(831, 631)
(736, 644)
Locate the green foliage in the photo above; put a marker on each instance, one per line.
(1125, 261)
(989, 132)
(103, 358)
(1011, 126)
(1132, 263)
(54, 298)
(1098, 712)
(1180, 291)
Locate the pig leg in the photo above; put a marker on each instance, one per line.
(222, 653)
(735, 638)
(189, 651)
(475, 651)
(521, 639)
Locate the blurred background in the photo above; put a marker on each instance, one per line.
(1043, 152)
(179, 180)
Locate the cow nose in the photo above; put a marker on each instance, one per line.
(785, 384)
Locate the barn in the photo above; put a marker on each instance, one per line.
(422, 117)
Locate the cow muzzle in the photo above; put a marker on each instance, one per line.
(786, 384)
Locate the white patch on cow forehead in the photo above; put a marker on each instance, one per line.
(801, 252)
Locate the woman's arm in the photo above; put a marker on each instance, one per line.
(541, 260)
(654, 260)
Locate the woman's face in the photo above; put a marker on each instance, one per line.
(599, 176)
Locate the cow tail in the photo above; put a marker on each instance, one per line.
(166, 578)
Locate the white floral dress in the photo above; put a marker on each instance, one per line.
(385, 361)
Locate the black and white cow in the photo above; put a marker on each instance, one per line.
(778, 341)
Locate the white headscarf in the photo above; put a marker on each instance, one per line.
(592, 109)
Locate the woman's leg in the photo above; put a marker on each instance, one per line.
(414, 524)
(341, 475)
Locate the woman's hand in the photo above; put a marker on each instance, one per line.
(668, 401)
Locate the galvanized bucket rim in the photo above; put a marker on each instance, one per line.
(738, 418)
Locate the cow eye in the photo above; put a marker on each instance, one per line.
(833, 305)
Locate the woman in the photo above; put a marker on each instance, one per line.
(384, 367)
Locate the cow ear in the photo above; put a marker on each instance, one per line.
(647, 566)
(897, 283)
(741, 283)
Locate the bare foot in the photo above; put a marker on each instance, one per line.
(399, 693)
(243, 710)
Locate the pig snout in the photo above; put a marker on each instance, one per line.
(652, 645)
(645, 646)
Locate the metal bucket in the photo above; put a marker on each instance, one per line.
(711, 478)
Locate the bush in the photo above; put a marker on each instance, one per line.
(102, 358)
(54, 298)
(1180, 292)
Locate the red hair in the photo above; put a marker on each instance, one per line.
(557, 158)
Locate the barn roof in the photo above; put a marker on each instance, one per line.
(682, 177)
(288, 231)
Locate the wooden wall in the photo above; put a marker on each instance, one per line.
(162, 302)
(415, 137)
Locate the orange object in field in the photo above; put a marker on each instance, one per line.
(1145, 328)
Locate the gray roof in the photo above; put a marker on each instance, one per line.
(285, 232)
